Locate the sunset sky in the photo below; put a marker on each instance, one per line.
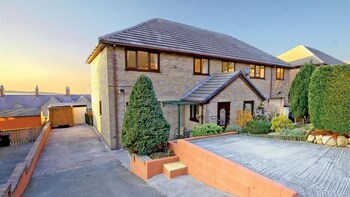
(46, 42)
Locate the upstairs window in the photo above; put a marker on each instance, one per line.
(142, 61)
(228, 67)
(257, 71)
(194, 113)
(200, 66)
(280, 73)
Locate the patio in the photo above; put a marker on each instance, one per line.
(311, 170)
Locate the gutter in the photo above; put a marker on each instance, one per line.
(114, 64)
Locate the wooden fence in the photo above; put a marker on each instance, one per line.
(18, 136)
(243, 117)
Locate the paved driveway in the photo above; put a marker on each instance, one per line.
(10, 156)
(75, 162)
(311, 170)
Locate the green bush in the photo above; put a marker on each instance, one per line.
(292, 132)
(260, 117)
(257, 127)
(144, 130)
(299, 91)
(329, 101)
(206, 129)
(234, 127)
(281, 122)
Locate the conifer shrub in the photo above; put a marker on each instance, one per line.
(145, 130)
(329, 101)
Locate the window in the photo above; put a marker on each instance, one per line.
(142, 61)
(280, 73)
(228, 67)
(257, 71)
(193, 113)
(100, 107)
(248, 106)
(200, 66)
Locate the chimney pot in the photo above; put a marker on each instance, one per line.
(2, 91)
(36, 91)
(67, 91)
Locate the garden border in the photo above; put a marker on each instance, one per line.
(278, 137)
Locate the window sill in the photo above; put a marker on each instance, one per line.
(280, 79)
(193, 120)
(201, 74)
(139, 70)
(257, 78)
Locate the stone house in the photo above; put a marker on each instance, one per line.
(199, 76)
(301, 55)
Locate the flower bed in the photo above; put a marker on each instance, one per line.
(278, 137)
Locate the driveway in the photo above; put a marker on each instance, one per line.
(310, 169)
(75, 162)
(10, 156)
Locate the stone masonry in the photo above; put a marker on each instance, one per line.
(174, 80)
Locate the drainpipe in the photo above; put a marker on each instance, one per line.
(114, 64)
(270, 83)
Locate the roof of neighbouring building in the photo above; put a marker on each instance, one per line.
(20, 112)
(32, 101)
(212, 85)
(300, 55)
(171, 36)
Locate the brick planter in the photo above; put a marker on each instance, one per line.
(145, 167)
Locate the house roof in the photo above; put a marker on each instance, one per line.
(214, 84)
(300, 55)
(171, 36)
(20, 112)
(32, 101)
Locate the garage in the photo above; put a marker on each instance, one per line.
(67, 115)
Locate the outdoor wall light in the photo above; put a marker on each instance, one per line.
(121, 91)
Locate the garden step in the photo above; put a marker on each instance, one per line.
(174, 169)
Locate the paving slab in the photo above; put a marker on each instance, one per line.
(10, 156)
(75, 162)
(309, 169)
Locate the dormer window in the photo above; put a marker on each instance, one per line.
(142, 61)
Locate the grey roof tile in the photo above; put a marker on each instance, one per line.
(208, 88)
(168, 35)
(327, 59)
(20, 112)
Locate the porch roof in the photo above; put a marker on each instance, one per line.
(179, 102)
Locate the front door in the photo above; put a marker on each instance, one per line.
(223, 113)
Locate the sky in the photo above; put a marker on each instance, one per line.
(46, 42)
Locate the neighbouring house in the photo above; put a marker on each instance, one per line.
(301, 55)
(18, 118)
(22, 106)
(199, 76)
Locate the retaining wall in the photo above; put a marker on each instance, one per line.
(21, 175)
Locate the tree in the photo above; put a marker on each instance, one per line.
(299, 91)
(329, 101)
(144, 130)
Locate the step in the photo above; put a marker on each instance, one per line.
(174, 169)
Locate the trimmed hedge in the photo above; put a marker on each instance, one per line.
(329, 98)
(145, 130)
(206, 129)
(299, 91)
(258, 127)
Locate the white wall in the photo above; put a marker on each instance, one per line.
(79, 115)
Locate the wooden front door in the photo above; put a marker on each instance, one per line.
(223, 113)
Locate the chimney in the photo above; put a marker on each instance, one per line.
(36, 91)
(2, 91)
(67, 91)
